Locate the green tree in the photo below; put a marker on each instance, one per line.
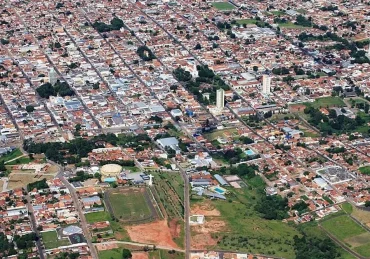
(2, 166)
(126, 254)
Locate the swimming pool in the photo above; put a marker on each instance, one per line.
(110, 179)
(218, 190)
(249, 152)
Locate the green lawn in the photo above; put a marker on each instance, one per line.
(223, 6)
(277, 13)
(246, 21)
(326, 102)
(109, 254)
(15, 153)
(363, 250)
(347, 207)
(342, 227)
(129, 204)
(50, 240)
(290, 25)
(21, 160)
(97, 216)
(365, 170)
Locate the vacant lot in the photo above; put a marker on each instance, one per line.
(223, 6)
(97, 216)
(246, 21)
(17, 180)
(342, 227)
(117, 254)
(348, 231)
(129, 204)
(158, 233)
(290, 25)
(50, 240)
(237, 226)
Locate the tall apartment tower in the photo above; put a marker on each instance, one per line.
(53, 76)
(266, 84)
(220, 98)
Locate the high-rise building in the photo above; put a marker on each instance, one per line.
(220, 98)
(266, 84)
(53, 76)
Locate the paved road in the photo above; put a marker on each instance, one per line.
(39, 246)
(83, 221)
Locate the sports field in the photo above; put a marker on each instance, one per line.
(129, 204)
(327, 102)
(223, 6)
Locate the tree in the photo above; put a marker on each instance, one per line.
(2, 166)
(126, 254)
(30, 108)
(198, 46)
(367, 203)
(255, 68)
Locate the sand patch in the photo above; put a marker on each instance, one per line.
(140, 255)
(206, 209)
(157, 233)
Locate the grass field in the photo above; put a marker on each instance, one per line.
(312, 229)
(129, 204)
(223, 6)
(264, 236)
(342, 227)
(97, 216)
(347, 207)
(15, 153)
(326, 102)
(21, 180)
(220, 133)
(363, 250)
(290, 25)
(21, 160)
(246, 21)
(365, 170)
(50, 240)
(277, 13)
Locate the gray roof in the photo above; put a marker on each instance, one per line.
(221, 180)
(167, 142)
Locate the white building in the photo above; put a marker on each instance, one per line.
(220, 98)
(53, 76)
(266, 84)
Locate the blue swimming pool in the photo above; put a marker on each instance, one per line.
(110, 179)
(249, 152)
(218, 190)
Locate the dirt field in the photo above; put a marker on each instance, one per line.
(157, 233)
(297, 107)
(175, 228)
(140, 255)
(204, 236)
(102, 247)
(21, 180)
(206, 209)
(362, 216)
